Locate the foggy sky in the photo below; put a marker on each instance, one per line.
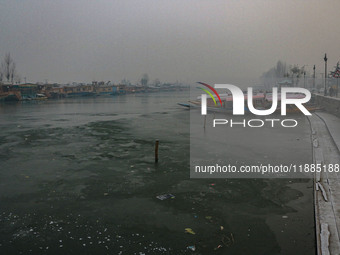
(185, 40)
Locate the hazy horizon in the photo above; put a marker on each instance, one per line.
(187, 41)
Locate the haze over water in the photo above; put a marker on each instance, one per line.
(78, 176)
(194, 40)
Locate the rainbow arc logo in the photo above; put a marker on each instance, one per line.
(209, 93)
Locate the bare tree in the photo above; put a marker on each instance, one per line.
(276, 72)
(1, 74)
(280, 69)
(13, 72)
(145, 79)
(8, 68)
(157, 83)
(296, 72)
(17, 79)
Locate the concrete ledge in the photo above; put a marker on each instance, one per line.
(329, 104)
(325, 137)
(333, 125)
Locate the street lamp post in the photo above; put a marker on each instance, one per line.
(314, 77)
(337, 78)
(325, 58)
(337, 86)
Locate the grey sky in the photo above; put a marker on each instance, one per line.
(186, 40)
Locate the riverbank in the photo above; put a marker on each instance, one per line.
(28, 92)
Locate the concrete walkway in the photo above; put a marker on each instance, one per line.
(326, 145)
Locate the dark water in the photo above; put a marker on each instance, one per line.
(77, 176)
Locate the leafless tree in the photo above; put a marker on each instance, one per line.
(1, 74)
(276, 72)
(296, 72)
(145, 79)
(13, 72)
(156, 83)
(8, 68)
(17, 79)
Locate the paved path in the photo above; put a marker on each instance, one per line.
(326, 145)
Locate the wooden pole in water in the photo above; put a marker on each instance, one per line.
(156, 151)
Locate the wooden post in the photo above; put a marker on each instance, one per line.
(156, 151)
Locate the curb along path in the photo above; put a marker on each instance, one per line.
(326, 143)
